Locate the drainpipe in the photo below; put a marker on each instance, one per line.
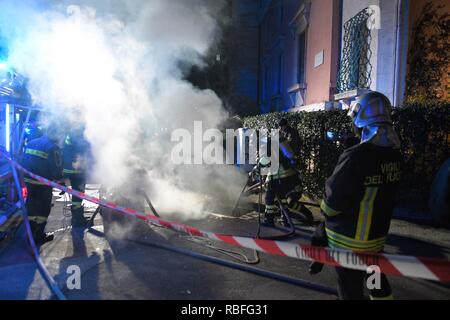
(400, 65)
(259, 73)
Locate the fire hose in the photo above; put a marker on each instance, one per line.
(241, 267)
(399, 265)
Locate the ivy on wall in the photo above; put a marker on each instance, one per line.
(429, 56)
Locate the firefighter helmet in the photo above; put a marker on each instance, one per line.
(371, 108)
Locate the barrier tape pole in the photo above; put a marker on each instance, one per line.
(408, 266)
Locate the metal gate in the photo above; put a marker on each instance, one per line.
(355, 67)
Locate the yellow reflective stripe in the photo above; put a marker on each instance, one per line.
(71, 171)
(34, 182)
(295, 206)
(366, 214)
(358, 246)
(353, 242)
(37, 153)
(12, 222)
(390, 297)
(281, 173)
(328, 210)
(338, 245)
(285, 173)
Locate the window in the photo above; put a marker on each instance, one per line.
(301, 57)
(355, 68)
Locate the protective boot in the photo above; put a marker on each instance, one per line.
(43, 239)
(307, 214)
(268, 220)
(315, 268)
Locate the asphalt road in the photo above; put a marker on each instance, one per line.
(115, 267)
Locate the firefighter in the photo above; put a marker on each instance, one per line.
(284, 183)
(41, 156)
(75, 158)
(293, 138)
(291, 135)
(360, 195)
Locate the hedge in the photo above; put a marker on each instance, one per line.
(424, 131)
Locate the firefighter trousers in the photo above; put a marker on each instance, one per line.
(289, 191)
(78, 182)
(280, 188)
(38, 205)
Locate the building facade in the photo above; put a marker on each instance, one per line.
(298, 53)
(308, 55)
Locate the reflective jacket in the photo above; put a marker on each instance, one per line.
(360, 197)
(43, 157)
(286, 159)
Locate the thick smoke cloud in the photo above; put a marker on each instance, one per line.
(114, 68)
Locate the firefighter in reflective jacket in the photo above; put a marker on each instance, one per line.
(284, 182)
(360, 195)
(42, 157)
(75, 153)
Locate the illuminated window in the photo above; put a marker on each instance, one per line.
(301, 57)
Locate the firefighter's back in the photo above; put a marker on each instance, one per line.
(365, 219)
(39, 157)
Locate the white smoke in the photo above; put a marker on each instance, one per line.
(114, 67)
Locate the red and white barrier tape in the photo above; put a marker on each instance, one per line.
(398, 265)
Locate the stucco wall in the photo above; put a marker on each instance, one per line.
(324, 16)
(386, 51)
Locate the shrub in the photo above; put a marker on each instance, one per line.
(423, 129)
